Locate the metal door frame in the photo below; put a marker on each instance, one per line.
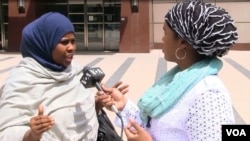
(3, 43)
(86, 23)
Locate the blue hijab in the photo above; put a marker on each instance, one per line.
(40, 37)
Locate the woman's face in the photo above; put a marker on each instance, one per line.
(64, 50)
(170, 43)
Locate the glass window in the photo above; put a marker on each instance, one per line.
(95, 18)
(79, 27)
(56, 8)
(76, 17)
(76, 2)
(94, 8)
(231, 0)
(211, 1)
(112, 12)
(5, 13)
(56, 1)
(162, 1)
(76, 8)
(111, 1)
(6, 30)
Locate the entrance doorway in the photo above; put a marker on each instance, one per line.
(96, 22)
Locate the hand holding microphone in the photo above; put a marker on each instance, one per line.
(118, 99)
(92, 78)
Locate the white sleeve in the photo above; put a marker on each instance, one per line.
(209, 111)
(130, 111)
(15, 133)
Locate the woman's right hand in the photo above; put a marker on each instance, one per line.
(38, 124)
(112, 96)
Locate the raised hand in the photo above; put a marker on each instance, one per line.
(40, 124)
(134, 132)
(123, 88)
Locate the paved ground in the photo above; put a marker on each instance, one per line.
(140, 70)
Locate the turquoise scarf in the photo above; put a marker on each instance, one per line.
(166, 92)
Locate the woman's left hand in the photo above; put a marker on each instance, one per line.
(123, 88)
(120, 86)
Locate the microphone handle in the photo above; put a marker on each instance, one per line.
(99, 88)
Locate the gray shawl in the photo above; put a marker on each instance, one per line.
(62, 95)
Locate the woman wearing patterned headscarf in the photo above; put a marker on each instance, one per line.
(189, 102)
(43, 99)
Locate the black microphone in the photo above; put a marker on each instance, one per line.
(92, 78)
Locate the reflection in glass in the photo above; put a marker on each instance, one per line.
(79, 35)
(79, 27)
(76, 8)
(112, 36)
(95, 18)
(112, 12)
(6, 30)
(5, 13)
(95, 36)
(94, 8)
(57, 8)
(56, 1)
(76, 18)
(95, 32)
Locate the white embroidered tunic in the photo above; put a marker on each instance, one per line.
(197, 116)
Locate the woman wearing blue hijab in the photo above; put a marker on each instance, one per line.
(43, 99)
(40, 38)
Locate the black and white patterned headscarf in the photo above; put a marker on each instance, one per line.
(209, 29)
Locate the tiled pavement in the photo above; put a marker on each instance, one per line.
(140, 70)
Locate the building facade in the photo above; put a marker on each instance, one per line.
(126, 26)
